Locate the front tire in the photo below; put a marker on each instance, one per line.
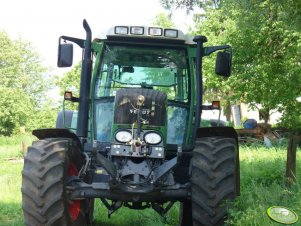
(90, 211)
(214, 178)
(47, 166)
(185, 216)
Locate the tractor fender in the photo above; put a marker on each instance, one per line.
(217, 131)
(56, 133)
(228, 132)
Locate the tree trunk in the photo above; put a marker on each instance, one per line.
(227, 111)
(265, 115)
(236, 115)
(24, 148)
(291, 159)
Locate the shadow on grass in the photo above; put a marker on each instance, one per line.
(128, 217)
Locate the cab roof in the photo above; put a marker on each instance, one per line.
(147, 33)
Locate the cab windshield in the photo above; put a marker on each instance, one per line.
(163, 69)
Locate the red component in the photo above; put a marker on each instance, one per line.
(74, 209)
(74, 206)
(72, 170)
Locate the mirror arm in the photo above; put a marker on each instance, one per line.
(211, 49)
(77, 41)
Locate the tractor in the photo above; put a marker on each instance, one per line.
(135, 139)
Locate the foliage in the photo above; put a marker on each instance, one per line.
(18, 110)
(15, 107)
(23, 86)
(189, 5)
(70, 81)
(266, 40)
(266, 58)
(21, 68)
(163, 20)
(44, 116)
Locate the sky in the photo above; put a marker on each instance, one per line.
(42, 22)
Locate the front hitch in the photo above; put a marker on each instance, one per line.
(164, 169)
(108, 166)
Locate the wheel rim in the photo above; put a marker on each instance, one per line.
(74, 206)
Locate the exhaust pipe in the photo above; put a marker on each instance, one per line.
(85, 81)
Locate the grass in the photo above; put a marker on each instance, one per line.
(262, 186)
(10, 195)
(127, 217)
(15, 140)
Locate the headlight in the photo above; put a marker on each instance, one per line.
(123, 136)
(152, 138)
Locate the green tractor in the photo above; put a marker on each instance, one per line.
(135, 140)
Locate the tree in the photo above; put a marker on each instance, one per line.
(266, 49)
(189, 5)
(266, 65)
(21, 67)
(23, 84)
(70, 81)
(163, 20)
(15, 109)
(266, 40)
(44, 116)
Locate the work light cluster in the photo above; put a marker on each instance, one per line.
(150, 31)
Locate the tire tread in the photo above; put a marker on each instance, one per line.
(213, 179)
(43, 178)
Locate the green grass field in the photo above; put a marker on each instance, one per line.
(262, 186)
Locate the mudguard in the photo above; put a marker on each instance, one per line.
(229, 132)
(55, 133)
(217, 131)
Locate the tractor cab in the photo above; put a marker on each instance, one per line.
(157, 71)
(133, 60)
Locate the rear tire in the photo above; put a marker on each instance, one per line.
(214, 178)
(47, 166)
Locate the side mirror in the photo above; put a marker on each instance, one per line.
(65, 55)
(223, 64)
